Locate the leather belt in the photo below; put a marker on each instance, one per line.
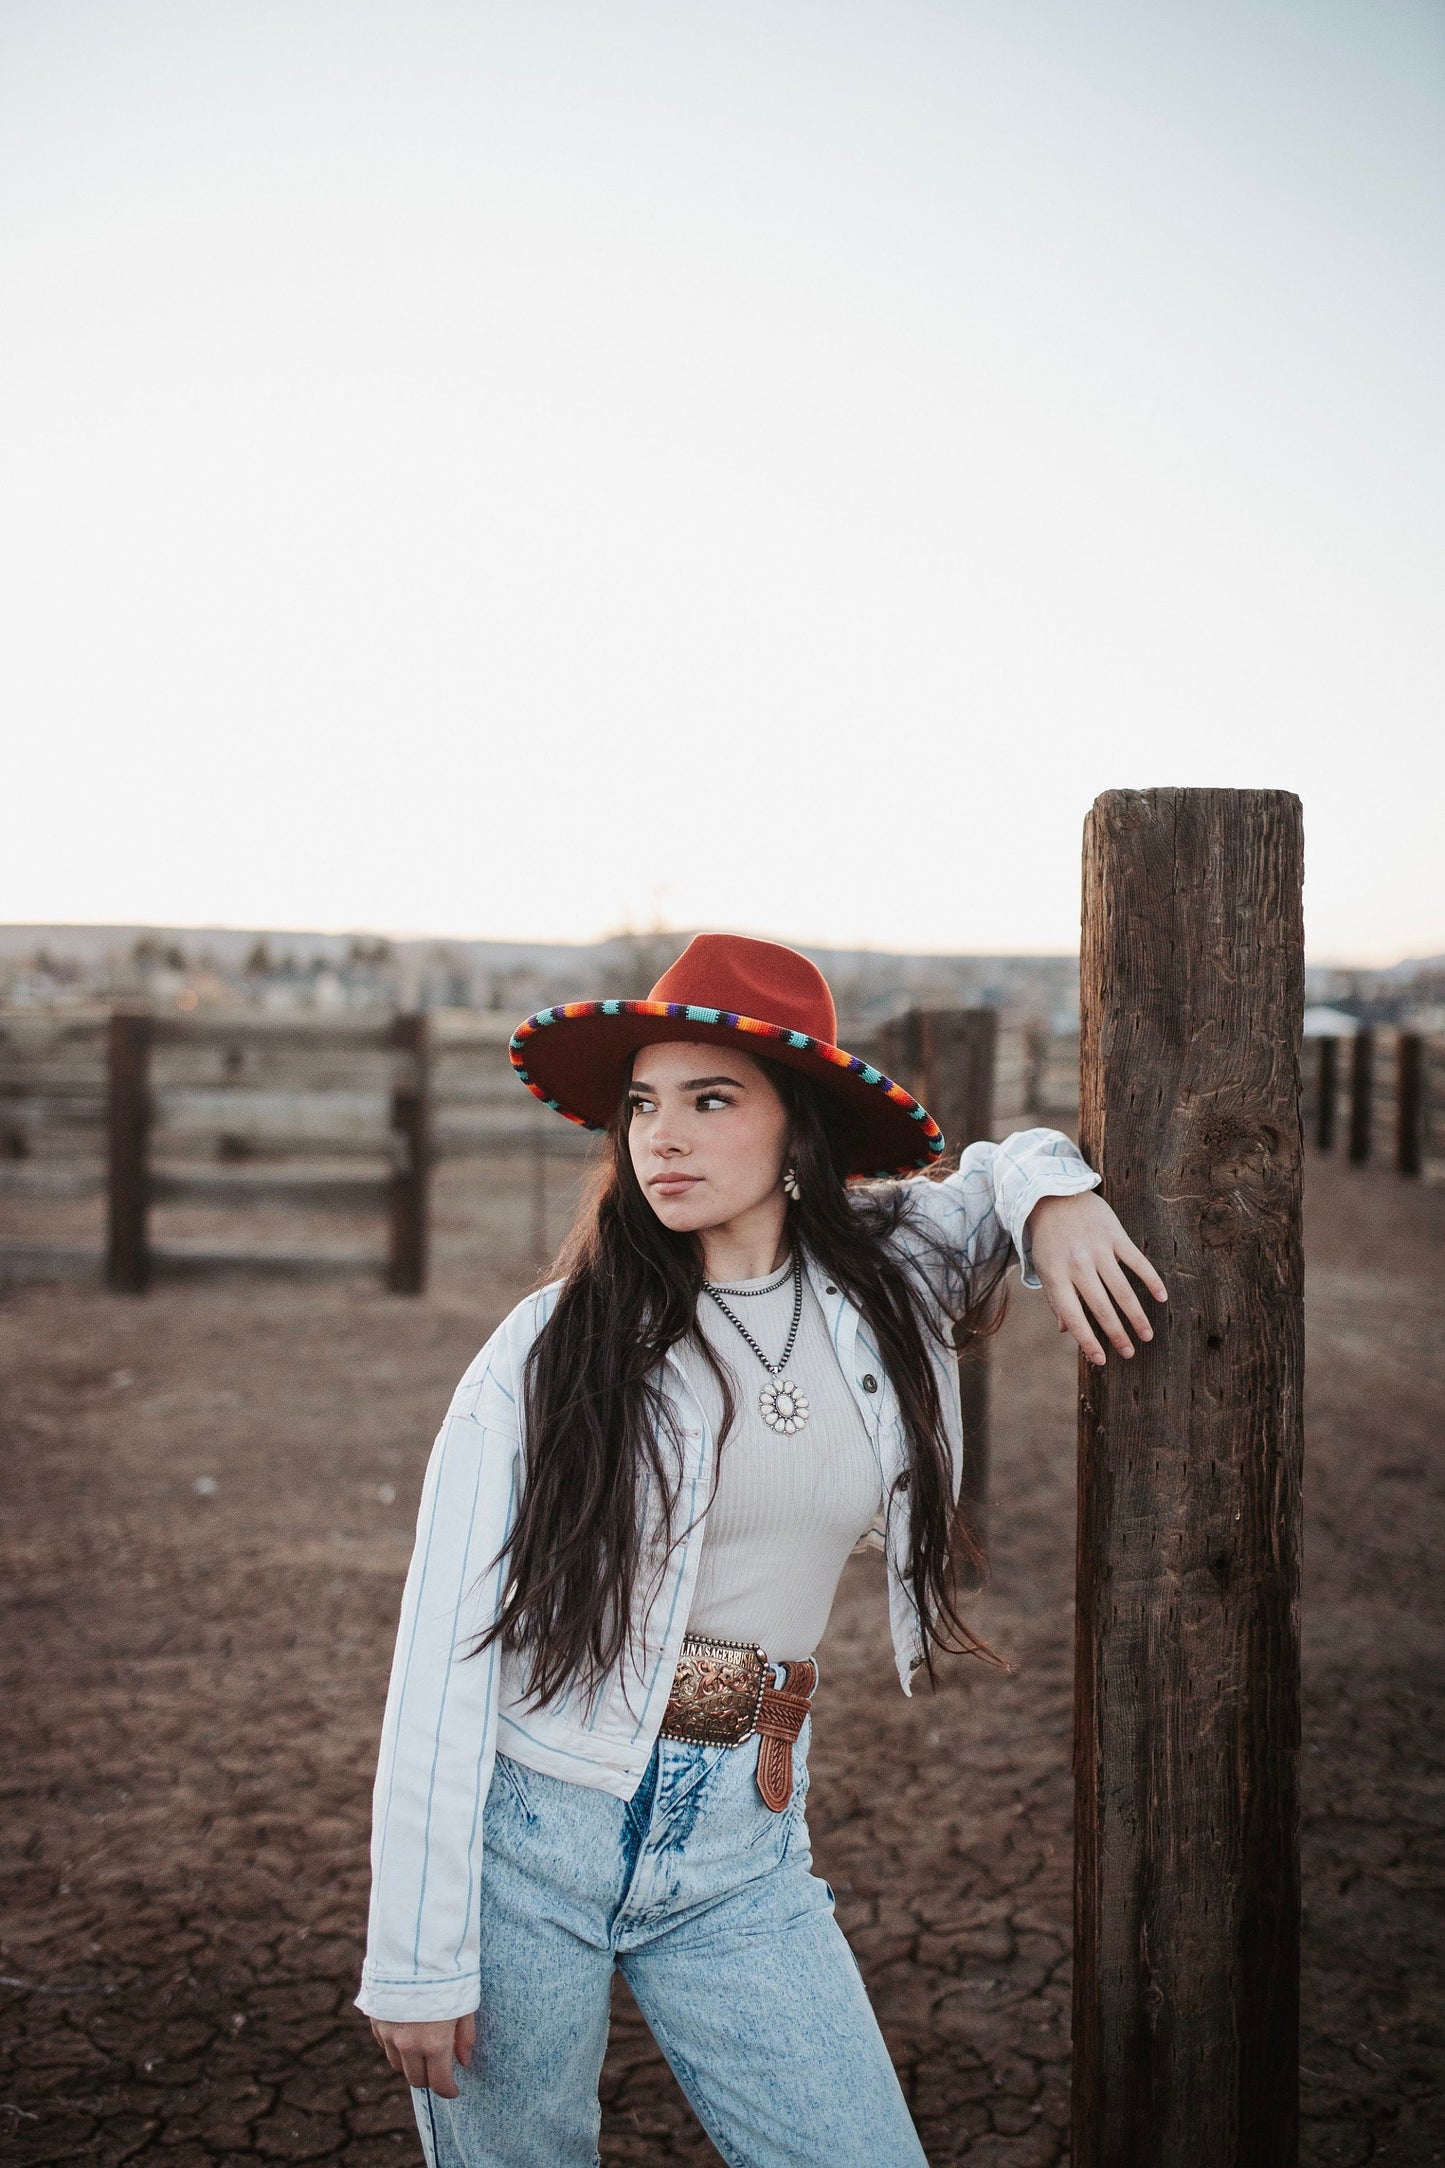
(721, 1694)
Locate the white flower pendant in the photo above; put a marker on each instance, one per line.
(783, 1406)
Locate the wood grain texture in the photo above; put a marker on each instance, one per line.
(1186, 1985)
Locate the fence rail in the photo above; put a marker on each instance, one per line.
(353, 1115)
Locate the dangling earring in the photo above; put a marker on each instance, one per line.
(790, 1183)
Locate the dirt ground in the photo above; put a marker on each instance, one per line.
(208, 1499)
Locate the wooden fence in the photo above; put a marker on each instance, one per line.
(1379, 1096)
(238, 1110)
(234, 1110)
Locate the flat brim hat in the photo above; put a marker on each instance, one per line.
(757, 995)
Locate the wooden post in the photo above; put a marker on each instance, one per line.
(1329, 1060)
(1362, 1096)
(1409, 1102)
(128, 1263)
(410, 1111)
(1186, 1956)
(946, 1058)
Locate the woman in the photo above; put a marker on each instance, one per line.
(634, 1520)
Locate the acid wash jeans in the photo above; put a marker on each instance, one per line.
(703, 1897)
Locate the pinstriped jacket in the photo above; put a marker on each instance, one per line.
(448, 1713)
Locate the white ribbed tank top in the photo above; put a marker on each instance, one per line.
(787, 1511)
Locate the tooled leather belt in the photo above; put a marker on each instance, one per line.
(722, 1694)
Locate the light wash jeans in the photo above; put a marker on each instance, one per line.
(704, 1898)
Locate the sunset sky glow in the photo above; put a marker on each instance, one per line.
(524, 471)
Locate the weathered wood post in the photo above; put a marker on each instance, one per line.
(1409, 1102)
(1362, 1095)
(1186, 1956)
(128, 1262)
(1329, 1072)
(947, 1058)
(410, 1179)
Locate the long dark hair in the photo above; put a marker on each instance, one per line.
(601, 1439)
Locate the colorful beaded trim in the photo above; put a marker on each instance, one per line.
(930, 1135)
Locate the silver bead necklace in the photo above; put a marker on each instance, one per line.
(782, 1405)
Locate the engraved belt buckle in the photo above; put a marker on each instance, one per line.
(717, 1692)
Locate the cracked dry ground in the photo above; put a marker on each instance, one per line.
(193, 1685)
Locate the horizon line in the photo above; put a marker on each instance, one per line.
(622, 933)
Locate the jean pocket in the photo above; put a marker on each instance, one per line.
(512, 1779)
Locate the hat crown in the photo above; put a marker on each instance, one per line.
(761, 979)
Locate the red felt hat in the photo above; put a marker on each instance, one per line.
(727, 990)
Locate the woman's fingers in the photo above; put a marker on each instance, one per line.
(387, 2045)
(1092, 1289)
(1138, 1263)
(423, 2053)
(1069, 1311)
(1122, 1290)
(429, 2070)
(1080, 1251)
(441, 2074)
(1093, 1282)
(1065, 1295)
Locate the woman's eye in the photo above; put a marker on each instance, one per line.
(713, 1099)
(639, 1106)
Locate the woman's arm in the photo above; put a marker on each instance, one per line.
(981, 1210)
(1033, 1192)
(439, 1733)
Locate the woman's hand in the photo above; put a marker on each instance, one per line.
(1079, 1252)
(424, 2053)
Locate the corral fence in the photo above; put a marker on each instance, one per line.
(1378, 1095)
(344, 1115)
(236, 1110)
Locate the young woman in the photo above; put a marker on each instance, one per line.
(633, 1524)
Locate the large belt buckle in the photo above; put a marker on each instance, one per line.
(717, 1692)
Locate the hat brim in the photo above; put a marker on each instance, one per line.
(574, 1059)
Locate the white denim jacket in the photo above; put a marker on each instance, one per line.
(448, 1713)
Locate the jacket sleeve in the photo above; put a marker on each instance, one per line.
(983, 1207)
(438, 1740)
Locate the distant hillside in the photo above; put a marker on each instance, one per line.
(263, 963)
(298, 968)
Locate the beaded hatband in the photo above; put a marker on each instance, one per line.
(930, 1136)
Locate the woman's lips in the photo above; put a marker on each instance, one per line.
(673, 1185)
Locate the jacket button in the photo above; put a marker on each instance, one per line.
(869, 1383)
(830, 1289)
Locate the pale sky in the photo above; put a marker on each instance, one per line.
(526, 470)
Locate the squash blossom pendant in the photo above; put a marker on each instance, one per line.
(782, 1405)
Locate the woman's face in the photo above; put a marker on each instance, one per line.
(708, 1134)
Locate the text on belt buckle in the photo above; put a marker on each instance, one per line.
(717, 1692)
